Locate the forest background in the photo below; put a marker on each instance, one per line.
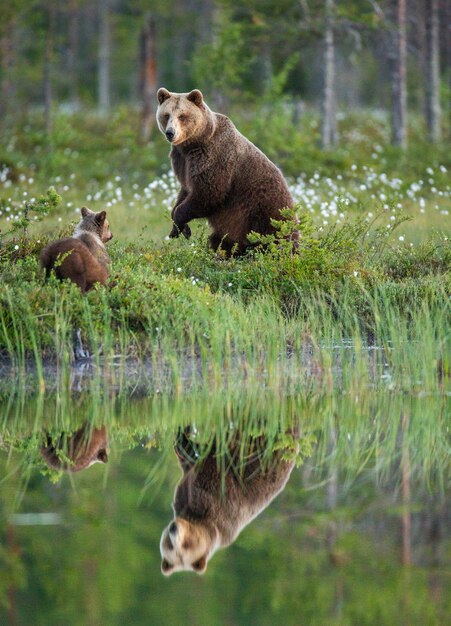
(333, 56)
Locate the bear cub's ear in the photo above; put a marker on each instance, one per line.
(162, 95)
(100, 217)
(196, 97)
(85, 211)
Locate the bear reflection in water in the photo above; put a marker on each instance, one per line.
(72, 453)
(219, 495)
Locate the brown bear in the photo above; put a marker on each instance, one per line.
(78, 451)
(222, 175)
(83, 258)
(212, 504)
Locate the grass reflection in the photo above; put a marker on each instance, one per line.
(358, 534)
(358, 432)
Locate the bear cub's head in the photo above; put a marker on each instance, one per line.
(187, 546)
(78, 451)
(182, 117)
(95, 223)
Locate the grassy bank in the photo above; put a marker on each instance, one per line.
(258, 311)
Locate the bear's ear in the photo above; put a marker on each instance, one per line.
(162, 95)
(102, 455)
(200, 565)
(100, 217)
(166, 567)
(196, 97)
(85, 211)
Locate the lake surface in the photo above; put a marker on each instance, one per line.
(359, 535)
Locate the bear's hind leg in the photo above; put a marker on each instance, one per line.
(215, 241)
(222, 242)
(73, 268)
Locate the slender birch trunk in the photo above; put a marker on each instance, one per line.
(7, 61)
(433, 110)
(48, 57)
(73, 52)
(328, 102)
(399, 75)
(104, 57)
(148, 49)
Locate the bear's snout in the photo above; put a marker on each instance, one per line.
(173, 528)
(170, 134)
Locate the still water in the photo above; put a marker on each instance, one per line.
(242, 506)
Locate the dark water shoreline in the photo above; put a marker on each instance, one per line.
(187, 370)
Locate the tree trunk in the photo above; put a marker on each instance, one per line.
(104, 57)
(48, 55)
(73, 52)
(179, 45)
(263, 70)
(328, 103)
(148, 86)
(399, 75)
(7, 56)
(433, 112)
(445, 40)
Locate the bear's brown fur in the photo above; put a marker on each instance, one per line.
(79, 451)
(83, 258)
(223, 176)
(212, 505)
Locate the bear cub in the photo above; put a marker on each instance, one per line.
(80, 450)
(83, 258)
(223, 177)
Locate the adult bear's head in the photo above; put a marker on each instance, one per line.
(187, 546)
(183, 117)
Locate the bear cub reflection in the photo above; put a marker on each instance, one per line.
(213, 504)
(78, 451)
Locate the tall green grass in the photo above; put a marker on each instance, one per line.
(199, 338)
(350, 283)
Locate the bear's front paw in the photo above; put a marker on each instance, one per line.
(185, 230)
